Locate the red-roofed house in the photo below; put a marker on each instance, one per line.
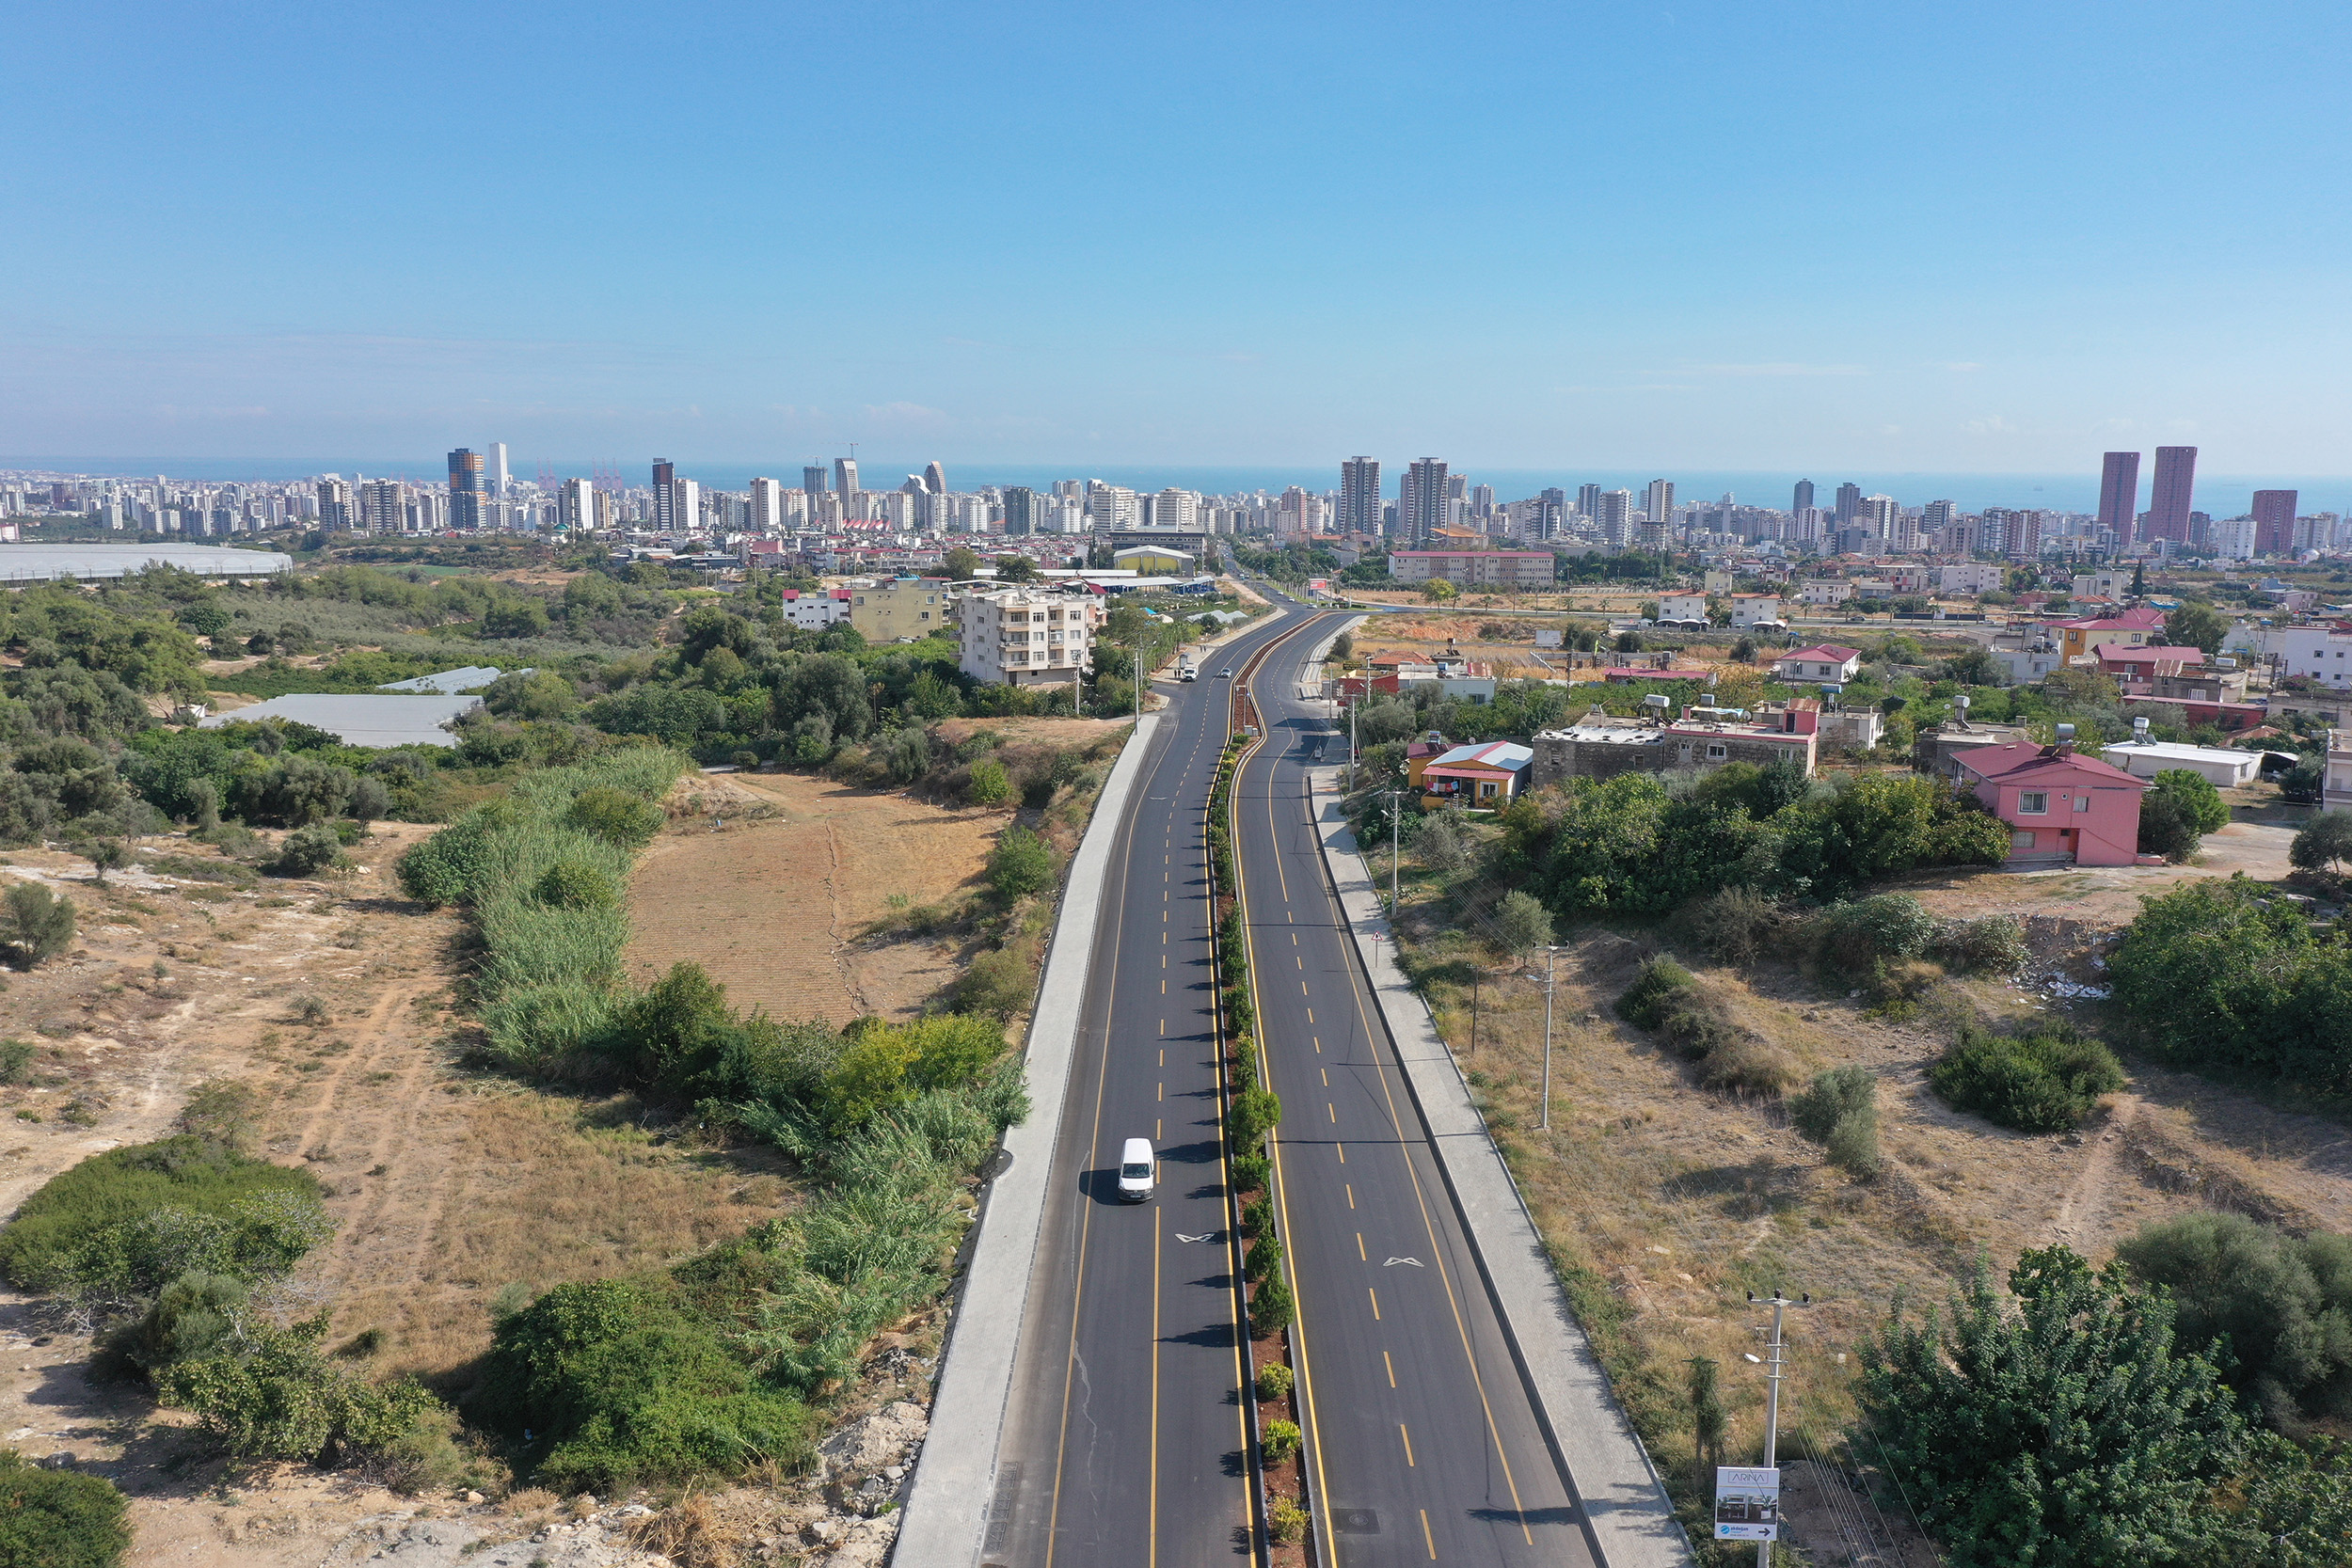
(1825, 661)
(2059, 804)
(2136, 669)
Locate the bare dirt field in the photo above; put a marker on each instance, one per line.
(773, 902)
(445, 1186)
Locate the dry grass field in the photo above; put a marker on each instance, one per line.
(772, 901)
(446, 1185)
(1676, 1201)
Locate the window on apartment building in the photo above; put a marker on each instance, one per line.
(2033, 803)
(2082, 802)
(1717, 754)
(2020, 840)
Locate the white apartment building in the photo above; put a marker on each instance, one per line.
(1824, 591)
(1975, 576)
(1112, 506)
(2313, 651)
(1682, 607)
(766, 512)
(1756, 610)
(1020, 637)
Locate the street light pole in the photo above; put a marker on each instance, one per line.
(1545, 1122)
(1395, 851)
(1774, 1375)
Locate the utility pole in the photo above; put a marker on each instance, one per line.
(1775, 1374)
(1545, 1123)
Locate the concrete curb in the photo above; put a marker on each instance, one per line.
(1610, 1472)
(945, 1516)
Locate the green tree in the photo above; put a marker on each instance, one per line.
(2280, 1304)
(1439, 591)
(1021, 863)
(41, 923)
(2069, 1432)
(1015, 568)
(2178, 810)
(2323, 844)
(1521, 922)
(2196, 624)
(961, 564)
(107, 854)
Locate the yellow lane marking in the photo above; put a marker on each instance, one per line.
(1310, 1017)
(1351, 1192)
(1359, 1248)
(1334, 1113)
(1301, 963)
(1426, 1539)
(1376, 1301)
(1162, 1093)
(1302, 984)
(1389, 1364)
(1400, 1433)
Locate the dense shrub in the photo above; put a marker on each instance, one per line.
(1000, 983)
(276, 1397)
(625, 818)
(1667, 1000)
(1521, 922)
(308, 851)
(619, 1383)
(1733, 925)
(2221, 972)
(1840, 1096)
(574, 885)
(1273, 1382)
(1994, 945)
(1857, 941)
(2280, 1305)
(987, 783)
(2324, 843)
(1020, 863)
(131, 1219)
(2046, 1081)
(1271, 1308)
(59, 1518)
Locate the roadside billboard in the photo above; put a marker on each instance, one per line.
(1747, 1503)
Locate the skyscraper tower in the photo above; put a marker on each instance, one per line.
(845, 481)
(1848, 503)
(465, 489)
(2169, 492)
(1420, 500)
(813, 483)
(1588, 500)
(1020, 510)
(1359, 496)
(2274, 521)
(665, 516)
(766, 512)
(499, 478)
(1658, 501)
(2118, 493)
(934, 479)
(1801, 498)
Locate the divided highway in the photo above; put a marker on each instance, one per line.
(1424, 1444)
(1123, 1440)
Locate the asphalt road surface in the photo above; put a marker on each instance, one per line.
(1124, 1441)
(1424, 1441)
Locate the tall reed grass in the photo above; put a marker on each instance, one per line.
(550, 974)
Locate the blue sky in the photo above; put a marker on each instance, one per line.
(1995, 238)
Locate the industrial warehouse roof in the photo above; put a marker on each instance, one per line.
(365, 720)
(85, 563)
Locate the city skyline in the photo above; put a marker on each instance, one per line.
(1180, 272)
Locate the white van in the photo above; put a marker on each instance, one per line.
(1135, 1171)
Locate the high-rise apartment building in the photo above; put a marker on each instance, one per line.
(1613, 512)
(935, 479)
(1880, 515)
(1110, 506)
(1174, 508)
(2169, 494)
(1588, 500)
(1481, 501)
(1421, 508)
(500, 479)
(383, 506)
(1020, 516)
(2274, 521)
(813, 483)
(1848, 503)
(576, 505)
(765, 512)
(1800, 499)
(335, 509)
(664, 495)
(1658, 501)
(466, 482)
(1359, 496)
(845, 483)
(2119, 495)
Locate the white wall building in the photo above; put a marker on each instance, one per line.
(766, 514)
(1021, 637)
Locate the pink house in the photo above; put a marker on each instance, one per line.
(2060, 807)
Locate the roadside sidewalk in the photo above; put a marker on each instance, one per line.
(1632, 1524)
(947, 1507)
